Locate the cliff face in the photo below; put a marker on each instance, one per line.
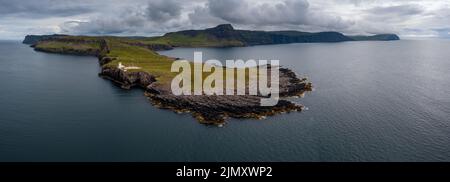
(379, 37)
(33, 39)
(221, 36)
(261, 38)
(226, 32)
(127, 80)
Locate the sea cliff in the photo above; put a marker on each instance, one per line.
(152, 71)
(208, 109)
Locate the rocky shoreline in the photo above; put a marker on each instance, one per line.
(212, 109)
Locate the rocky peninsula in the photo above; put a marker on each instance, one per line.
(153, 74)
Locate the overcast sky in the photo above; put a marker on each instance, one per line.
(408, 18)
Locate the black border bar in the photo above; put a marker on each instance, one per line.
(169, 170)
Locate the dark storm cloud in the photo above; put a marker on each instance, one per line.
(163, 10)
(245, 12)
(285, 14)
(203, 16)
(43, 8)
(149, 17)
(167, 15)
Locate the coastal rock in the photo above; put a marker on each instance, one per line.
(213, 109)
(127, 80)
(216, 109)
(291, 85)
(105, 60)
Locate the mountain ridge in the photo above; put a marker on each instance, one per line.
(225, 35)
(256, 37)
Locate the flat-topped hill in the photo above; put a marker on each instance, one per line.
(226, 36)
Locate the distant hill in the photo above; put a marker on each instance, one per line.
(226, 36)
(379, 37)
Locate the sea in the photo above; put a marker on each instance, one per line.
(372, 101)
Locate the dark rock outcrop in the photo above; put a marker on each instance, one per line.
(216, 109)
(127, 80)
(213, 109)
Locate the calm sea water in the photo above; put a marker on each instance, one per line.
(373, 101)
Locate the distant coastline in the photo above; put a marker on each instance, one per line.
(226, 36)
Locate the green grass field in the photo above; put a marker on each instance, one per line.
(128, 52)
(149, 61)
(200, 40)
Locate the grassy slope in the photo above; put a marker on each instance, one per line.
(120, 49)
(129, 55)
(69, 46)
(200, 40)
(150, 61)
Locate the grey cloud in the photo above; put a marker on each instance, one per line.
(149, 17)
(388, 17)
(163, 10)
(154, 16)
(43, 8)
(443, 32)
(393, 15)
(202, 17)
(93, 27)
(245, 12)
(286, 13)
(399, 10)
